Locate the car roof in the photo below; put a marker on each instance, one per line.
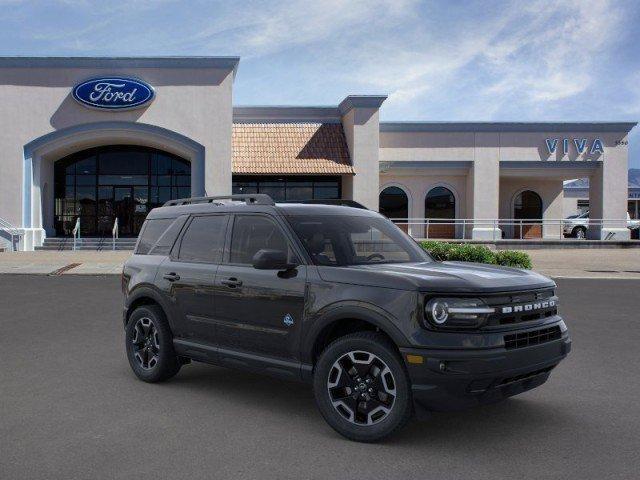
(288, 209)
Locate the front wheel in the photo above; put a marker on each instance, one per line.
(580, 233)
(362, 388)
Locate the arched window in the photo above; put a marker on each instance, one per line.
(528, 207)
(440, 207)
(116, 181)
(394, 204)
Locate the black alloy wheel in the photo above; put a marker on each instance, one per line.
(149, 345)
(362, 388)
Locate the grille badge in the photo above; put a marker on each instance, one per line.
(529, 307)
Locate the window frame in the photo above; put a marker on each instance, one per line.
(175, 250)
(292, 240)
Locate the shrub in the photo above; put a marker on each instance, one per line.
(512, 258)
(461, 252)
(438, 250)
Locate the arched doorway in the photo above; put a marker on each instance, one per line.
(395, 204)
(527, 212)
(116, 181)
(440, 209)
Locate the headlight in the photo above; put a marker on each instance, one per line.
(457, 312)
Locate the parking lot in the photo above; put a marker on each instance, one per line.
(71, 408)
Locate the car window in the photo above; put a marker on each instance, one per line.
(336, 240)
(203, 241)
(167, 239)
(150, 234)
(252, 233)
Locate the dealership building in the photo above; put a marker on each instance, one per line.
(100, 139)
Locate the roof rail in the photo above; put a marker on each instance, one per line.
(341, 202)
(249, 199)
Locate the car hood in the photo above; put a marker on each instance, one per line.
(449, 277)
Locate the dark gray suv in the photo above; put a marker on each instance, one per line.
(338, 297)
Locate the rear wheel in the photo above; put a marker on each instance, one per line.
(149, 345)
(362, 388)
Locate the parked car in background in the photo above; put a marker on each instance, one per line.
(576, 225)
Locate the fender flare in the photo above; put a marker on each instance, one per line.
(147, 291)
(350, 310)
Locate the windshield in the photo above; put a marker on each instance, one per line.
(337, 240)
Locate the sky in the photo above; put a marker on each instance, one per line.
(575, 60)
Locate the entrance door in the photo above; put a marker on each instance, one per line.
(123, 209)
(527, 212)
(440, 208)
(130, 205)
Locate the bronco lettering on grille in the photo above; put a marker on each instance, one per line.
(529, 307)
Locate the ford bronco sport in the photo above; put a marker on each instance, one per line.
(338, 297)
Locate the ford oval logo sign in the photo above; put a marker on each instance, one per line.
(113, 93)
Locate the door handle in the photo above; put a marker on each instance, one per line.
(232, 282)
(172, 277)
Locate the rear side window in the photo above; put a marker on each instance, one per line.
(203, 241)
(151, 232)
(167, 239)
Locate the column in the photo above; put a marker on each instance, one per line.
(608, 194)
(485, 184)
(361, 125)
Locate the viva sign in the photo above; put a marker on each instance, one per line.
(580, 144)
(113, 93)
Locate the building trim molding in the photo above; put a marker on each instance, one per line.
(544, 127)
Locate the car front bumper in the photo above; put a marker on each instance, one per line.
(457, 379)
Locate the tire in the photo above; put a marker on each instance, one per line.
(580, 233)
(352, 410)
(149, 345)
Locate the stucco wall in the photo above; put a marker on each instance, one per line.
(194, 102)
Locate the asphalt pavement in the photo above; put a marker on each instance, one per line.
(71, 408)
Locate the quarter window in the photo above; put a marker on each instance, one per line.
(204, 239)
(252, 233)
(152, 231)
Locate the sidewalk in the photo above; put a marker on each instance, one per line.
(556, 263)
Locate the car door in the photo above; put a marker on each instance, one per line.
(188, 275)
(259, 311)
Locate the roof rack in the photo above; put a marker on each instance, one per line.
(253, 199)
(341, 202)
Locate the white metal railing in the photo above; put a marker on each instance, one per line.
(12, 231)
(114, 234)
(511, 228)
(76, 233)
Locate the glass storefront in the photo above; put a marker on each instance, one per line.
(289, 187)
(123, 182)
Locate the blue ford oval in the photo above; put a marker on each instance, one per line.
(113, 93)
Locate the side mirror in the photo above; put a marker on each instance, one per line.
(267, 259)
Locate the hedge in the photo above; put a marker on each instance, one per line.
(461, 252)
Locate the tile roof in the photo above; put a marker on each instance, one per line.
(290, 148)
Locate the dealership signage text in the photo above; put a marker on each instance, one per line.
(113, 93)
(581, 145)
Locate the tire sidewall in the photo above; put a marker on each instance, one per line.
(167, 364)
(402, 407)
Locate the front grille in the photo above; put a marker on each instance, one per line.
(533, 337)
(521, 307)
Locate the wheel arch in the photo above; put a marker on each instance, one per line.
(344, 319)
(145, 295)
